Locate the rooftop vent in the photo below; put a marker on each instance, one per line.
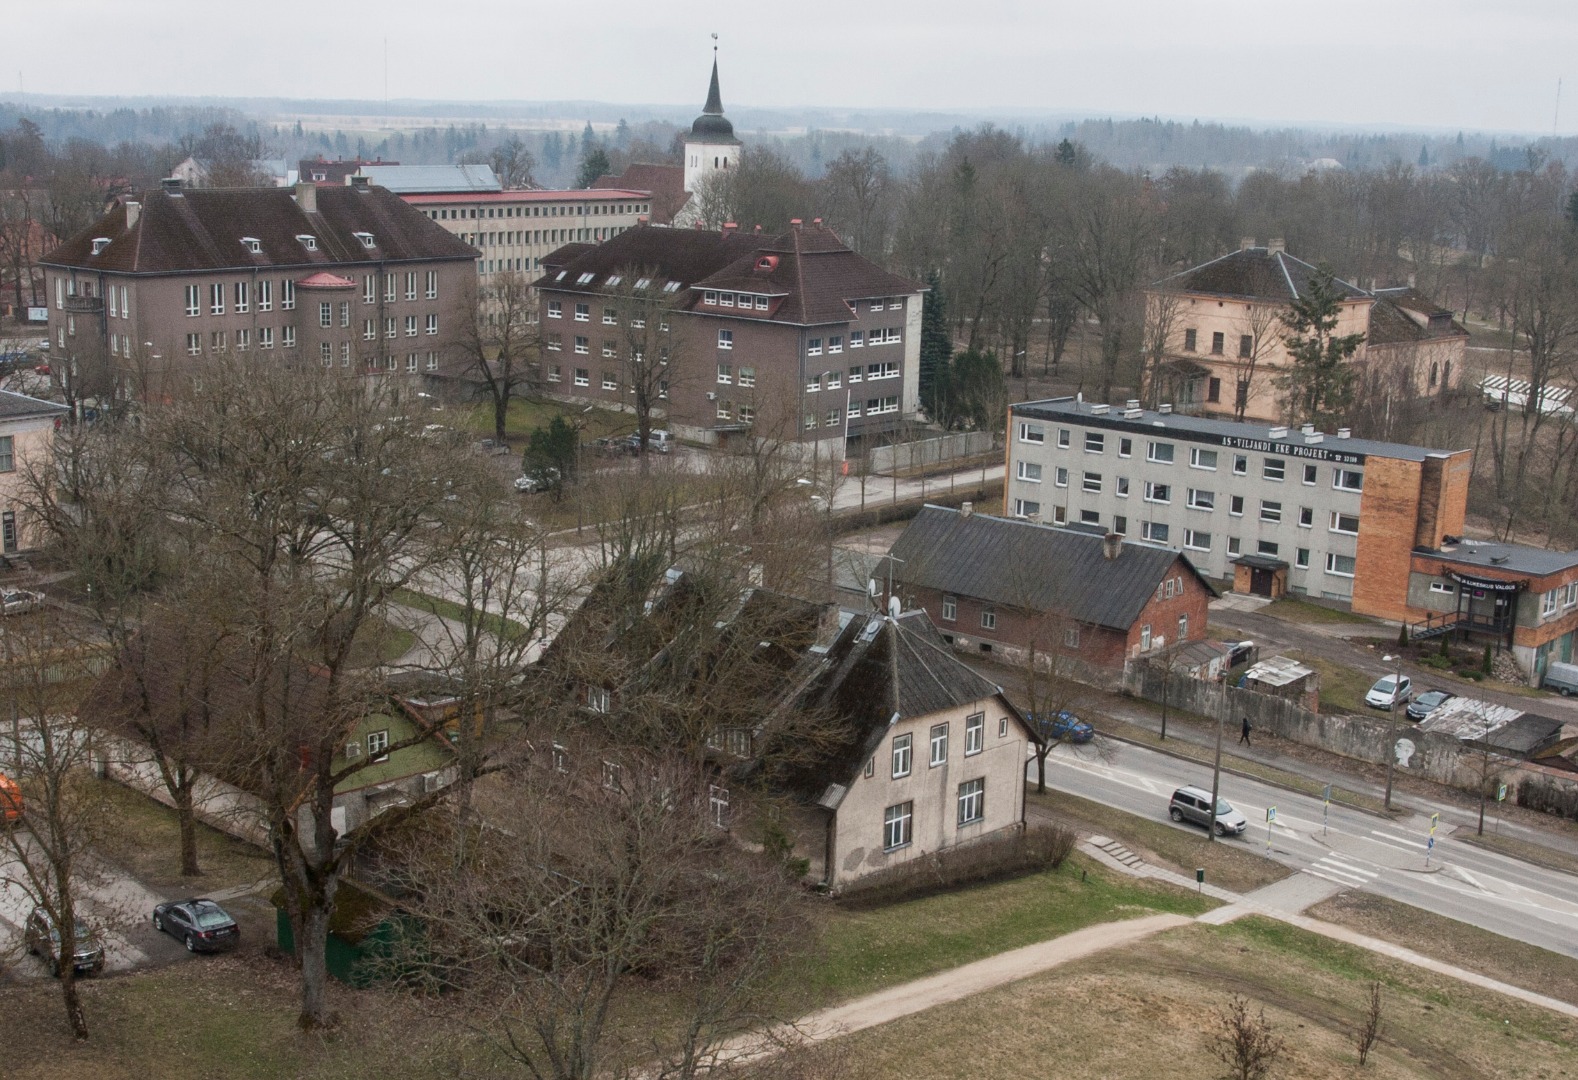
(100, 243)
(1343, 433)
(1112, 546)
(966, 509)
(133, 212)
(252, 244)
(1133, 412)
(172, 184)
(1099, 410)
(1313, 437)
(1133, 403)
(1279, 432)
(1276, 246)
(1245, 243)
(1164, 408)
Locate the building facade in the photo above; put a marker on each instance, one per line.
(27, 438)
(1224, 343)
(1275, 510)
(787, 337)
(349, 277)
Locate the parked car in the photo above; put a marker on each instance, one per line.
(1064, 727)
(537, 480)
(1388, 691)
(1563, 678)
(10, 799)
(201, 925)
(20, 601)
(43, 939)
(657, 439)
(1427, 702)
(1194, 804)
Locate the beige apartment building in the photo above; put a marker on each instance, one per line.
(27, 437)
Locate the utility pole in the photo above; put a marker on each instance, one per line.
(1391, 728)
(1216, 771)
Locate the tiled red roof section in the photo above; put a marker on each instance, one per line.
(325, 280)
(818, 271)
(666, 183)
(595, 194)
(201, 229)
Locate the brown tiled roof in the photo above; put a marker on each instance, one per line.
(1255, 273)
(200, 229)
(809, 267)
(666, 183)
(1406, 314)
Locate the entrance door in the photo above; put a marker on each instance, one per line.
(8, 531)
(1260, 581)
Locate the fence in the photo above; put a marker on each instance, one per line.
(918, 455)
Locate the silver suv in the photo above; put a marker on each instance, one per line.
(1193, 804)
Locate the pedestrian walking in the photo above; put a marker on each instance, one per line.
(1244, 738)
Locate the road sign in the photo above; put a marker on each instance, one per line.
(1501, 792)
(1271, 814)
(1325, 795)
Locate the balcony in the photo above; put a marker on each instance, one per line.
(84, 305)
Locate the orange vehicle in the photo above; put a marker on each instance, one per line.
(10, 799)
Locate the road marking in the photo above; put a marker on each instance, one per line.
(1334, 869)
(1410, 841)
(1468, 877)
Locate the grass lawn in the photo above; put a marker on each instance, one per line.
(448, 609)
(1453, 942)
(1228, 863)
(863, 951)
(526, 416)
(1206, 755)
(1295, 610)
(1539, 854)
(141, 836)
(1342, 688)
(1147, 1011)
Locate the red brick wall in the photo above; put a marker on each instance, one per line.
(1389, 520)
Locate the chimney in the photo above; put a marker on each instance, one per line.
(817, 222)
(966, 509)
(1411, 280)
(1279, 432)
(1343, 433)
(730, 228)
(1276, 246)
(1245, 243)
(1035, 518)
(307, 197)
(1112, 546)
(133, 212)
(795, 223)
(1308, 429)
(756, 231)
(1132, 403)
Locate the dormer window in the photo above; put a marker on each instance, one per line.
(615, 279)
(644, 283)
(319, 177)
(366, 238)
(252, 244)
(672, 286)
(585, 279)
(308, 241)
(100, 243)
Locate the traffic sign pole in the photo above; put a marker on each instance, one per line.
(1271, 815)
(1325, 811)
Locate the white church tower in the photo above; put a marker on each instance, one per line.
(711, 146)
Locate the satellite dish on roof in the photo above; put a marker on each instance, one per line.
(894, 607)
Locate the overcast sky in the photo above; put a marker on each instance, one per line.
(1449, 64)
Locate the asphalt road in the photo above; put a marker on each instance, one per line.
(1354, 849)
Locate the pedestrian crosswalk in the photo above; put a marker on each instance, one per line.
(1342, 872)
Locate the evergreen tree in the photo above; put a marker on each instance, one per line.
(622, 134)
(588, 139)
(594, 163)
(553, 149)
(1424, 155)
(1317, 387)
(936, 347)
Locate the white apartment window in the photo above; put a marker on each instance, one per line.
(1301, 558)
(216, 340)
(709, 297)
(288, 341)
(410, 326)
(972, 801)
(265, 337)
(369, 329)
(1028, 433)
(835, 379)
(411, 361)
(1446, 587)
(555, 309)
(583, 377)
(1347, 479)
(1344, 523)
(813, 346)
(1311, 474)
(610, 317)
(725, 374)
(1091, 482)
(1572, 595)
(854, 408)
(369, 288)
(950, 607)
(1183, 627)
(194, 344)
(1195, 540)
(1095, 442)
(1070, 641)
(1160, 452)
(243, 298)
(1275, 468)
(1235, 505)
(1201, 500)
(308, 241)
(988, 620)
(1340, 565)
(265, 295)
(1030, 472)
(813, 384)
(1306, 517)
(857, 338)
(216, 298)
(597, 698)
(834, 417)
(718, 805)
(939, 744)
(747, 375)
(583, 345)
(287, 295)
(391, 327)
(194, 303)
(410, 284)
(554, 373)
(1270, 511)
(1549, 602)
(1158, 493)
(325, 314)
(1240, 464)
(1121, 486)
(432, 324)
(1062, 438)
(1266, 547)
(1125, 447)
(432, 284)
(1153, 531)
(390, 289)
(725, 339)
(561, 759)
(583, 312)
(610, 381)
(1202, 459)
(902, 754)
(896, 822)
(1090, 517)
(1060, 476)
(1026, 508)
(611, 776)
(1233, 545)
(1002, 723)
(835, 344)
(608, 348)
(974, 733)
(726, 299)
(1145, 638)
(345, 313)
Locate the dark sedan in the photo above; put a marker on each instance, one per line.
(1064, 726)
(201, 925)
(1426, 703)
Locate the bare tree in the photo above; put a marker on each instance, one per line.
(500, 343)
(1245, 1042)
(1265, 324)
(1162, 313)
(1370, 1025)
(650, 344)
(857, 188)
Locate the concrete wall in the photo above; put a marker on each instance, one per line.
(923, 452)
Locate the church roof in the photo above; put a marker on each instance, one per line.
(711, 126)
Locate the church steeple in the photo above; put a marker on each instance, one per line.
(712, 126)
(711, 147)
(714, 106)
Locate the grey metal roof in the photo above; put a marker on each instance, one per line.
(20, 406)
(413, 179)
(1256, 273)
(1508, 558)
(1151, 423)
(1035, 567)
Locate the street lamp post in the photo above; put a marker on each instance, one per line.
(1391, 728)
(1216, 771)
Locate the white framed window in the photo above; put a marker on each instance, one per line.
(243, 297)
(288, 335)
(1183, 627)
(1549, 602)
(391, 327)
(410, 284)
(1340, 565)
(1159, 452)
(561, 759)
(1446, 587)
(412, 360)
(835, 344)
(555, 309)
(1121, 486)
(265, 295)
(1125, 447)
(583, 345)
(939, 744)
(950, 607)
(1235, 505)
(432, 284)
(194, 302)
(1028, 433)
(1270, 511)
(988, 619)
(897, 824)
(1233, 545)
(1572, 595)
(216, 298)
(1063, 436)
(1240, 464)
(1344, 523)
(1306, 517)
(1091, 482)
(583, 377)
(1301, 558)
(1145, 638)
(974, 733)
(1060, 476)
(725, 339)
(1195, 540)
(725, 374)
(410, 326)
(857, 339)
(1347, 479)
(194, 344)
(813, 385)
(718, 805)
(554, 373)
(902, 755)
(1154, 531)
(597, 698)
(378, 745)
(1158, 493)
(1202, 459)
(265, 337)
(972, 801)
(1311, 475)
(1026, 508)
(432, 324)
(243, 339)
(813, 346)
(1090, 517)
(1029, 472)
(583, 312)
(1095, 442)
(1201, 500)
(1274, 468)
(1267, 547)
(834, 418)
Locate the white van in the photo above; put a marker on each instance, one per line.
(1563, 678)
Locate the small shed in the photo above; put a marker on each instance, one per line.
(1284, 677)
(1505, 730)
(1207, 660)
